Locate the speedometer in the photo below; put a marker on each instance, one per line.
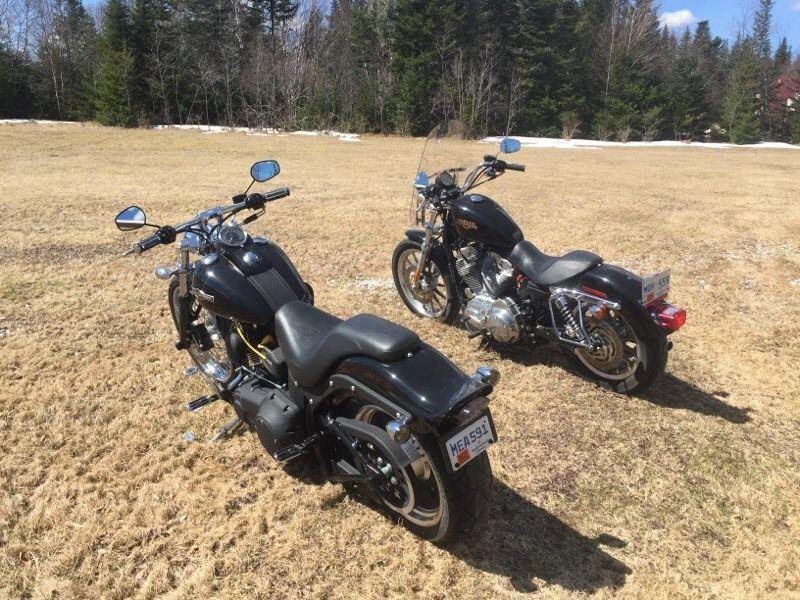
(232, 235)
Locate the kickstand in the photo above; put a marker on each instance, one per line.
(227, 430)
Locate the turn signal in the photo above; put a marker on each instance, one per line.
(669, 316)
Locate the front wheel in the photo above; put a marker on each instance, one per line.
(207, 346)
(432, 502)
(627, 357)
(434, 294)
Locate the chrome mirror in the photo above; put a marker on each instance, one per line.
(265, 170)
(421, 182)
(510, 145)
(131, 218)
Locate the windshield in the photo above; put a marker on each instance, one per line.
(444, 150)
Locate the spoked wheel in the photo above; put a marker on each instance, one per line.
(624, 356)
(433, 296)
(207, 347)
(433, 503)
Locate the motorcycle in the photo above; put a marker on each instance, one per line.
(471, 263)
(364, 399)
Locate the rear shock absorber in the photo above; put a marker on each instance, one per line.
(574, 330)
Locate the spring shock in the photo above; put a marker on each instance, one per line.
(563, 307)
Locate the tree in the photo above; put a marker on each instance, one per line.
(67, 59)
(687, 105)
(115, 75)
(742, 106)
(16, 74)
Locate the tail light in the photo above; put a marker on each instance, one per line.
(669, 316)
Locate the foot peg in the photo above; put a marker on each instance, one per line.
(201, 402)
(190, 370)
(227, 429)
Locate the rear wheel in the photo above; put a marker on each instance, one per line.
(434, 296)
(626, 357)
(207, 340)
(433, 503)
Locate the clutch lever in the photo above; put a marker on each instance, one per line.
(253, 217)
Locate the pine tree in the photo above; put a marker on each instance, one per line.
(423, 34)
(762, 47)
(115, 75)
(16, 74)
(783, 57)
(742, 106)
(687, 105)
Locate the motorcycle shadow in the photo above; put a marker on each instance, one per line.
(667, 392)
(524, 542)
(671, 392)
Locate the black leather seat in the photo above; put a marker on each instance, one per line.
(547, 270)
(313, 342)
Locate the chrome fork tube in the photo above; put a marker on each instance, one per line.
(424, 252)
(183, 271)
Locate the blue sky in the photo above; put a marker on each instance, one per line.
(726, 16)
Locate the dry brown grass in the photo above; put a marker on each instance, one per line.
(692, 491)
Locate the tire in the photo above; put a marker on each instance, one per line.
(651, 365)
(217, 379)
(467, 494)
(444, 291)
(446, 506)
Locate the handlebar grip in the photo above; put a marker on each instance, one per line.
(165, 235)
(278, 194)
(513, 167)
(256, 200)
(148, 243)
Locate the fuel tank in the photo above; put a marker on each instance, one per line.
(248, 283)
(478, 218)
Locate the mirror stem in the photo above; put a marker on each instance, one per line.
(249, 186)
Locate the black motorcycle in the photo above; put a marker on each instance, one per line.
(369, 403)
(470, 263)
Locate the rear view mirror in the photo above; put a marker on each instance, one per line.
(265, 170)
(131, 218)
(421, 181)
(510, 145)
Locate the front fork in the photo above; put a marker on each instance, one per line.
(423, 255)
(184, 285)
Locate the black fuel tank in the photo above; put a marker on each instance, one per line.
(248, 284)
(478, 218)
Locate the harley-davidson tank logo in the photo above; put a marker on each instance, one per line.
(203, 296)
(467, 224)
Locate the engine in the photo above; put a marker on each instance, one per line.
(490, 310)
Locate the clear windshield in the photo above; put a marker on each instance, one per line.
(444, 150)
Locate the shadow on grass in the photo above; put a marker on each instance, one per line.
(671, 392)
(668, 392)
(524, 542)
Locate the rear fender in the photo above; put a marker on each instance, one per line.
(619, 285)
(426, 387)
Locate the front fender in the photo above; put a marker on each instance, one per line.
(426, 385)
(620, 285)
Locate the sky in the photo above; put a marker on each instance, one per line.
(726, 17)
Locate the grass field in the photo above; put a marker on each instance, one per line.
(692, 491)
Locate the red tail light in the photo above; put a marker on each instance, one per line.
(669, 316)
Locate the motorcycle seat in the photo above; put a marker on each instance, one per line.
(546, 270)
(314, 342)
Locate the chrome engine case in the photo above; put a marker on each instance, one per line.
(500, 318)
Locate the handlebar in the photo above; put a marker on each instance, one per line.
(515, 167)
(167, 234)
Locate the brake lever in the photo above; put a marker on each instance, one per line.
(133, 250)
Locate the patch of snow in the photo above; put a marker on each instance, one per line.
(343, 137)
(36, 121)
(537, 142)
(795, 282)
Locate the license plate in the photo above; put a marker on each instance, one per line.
(469, 442)
(655, 287)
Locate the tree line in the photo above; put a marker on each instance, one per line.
(594, 68)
